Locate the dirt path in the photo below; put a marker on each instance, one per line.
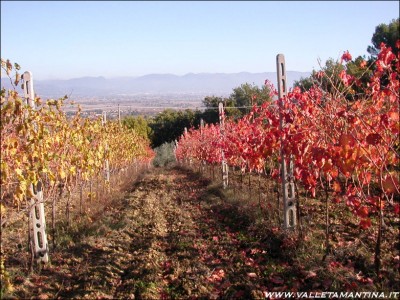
(177, 236)
(166, 239)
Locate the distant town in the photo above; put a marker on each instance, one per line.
(139, 104)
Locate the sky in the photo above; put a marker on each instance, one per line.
(62, 40)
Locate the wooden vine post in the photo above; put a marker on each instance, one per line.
(38, 236)
(288, 188)
(222, 132)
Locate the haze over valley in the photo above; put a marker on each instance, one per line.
(151, 92)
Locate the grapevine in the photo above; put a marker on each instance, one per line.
(58, 149)
(347, 146)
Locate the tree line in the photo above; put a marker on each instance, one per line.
(169, 124)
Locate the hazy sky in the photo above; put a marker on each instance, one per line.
(60, 40)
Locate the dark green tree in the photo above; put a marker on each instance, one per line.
(247, 95)
(329, 82)
(385, 33)
(305, 83)
(361, 67)
(170, 125)
(212, 101)
(139, 124)
(211, 114)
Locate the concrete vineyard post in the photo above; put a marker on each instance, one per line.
(174, 149)
(106, 164)
(190, 159)
(36, 211)
(203, 162)
(225, 179)
(288, 190)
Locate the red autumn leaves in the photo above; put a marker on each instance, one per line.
(332, 140)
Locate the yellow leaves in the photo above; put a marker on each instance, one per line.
(38, 101)
(72, 170)
(85, 176)
(62, 174)
(4, 172)
(52, 178)
(21, 191)
(2, 209)
(6, 284)
(17, 79)
(3, 63)
(99, 155)
(51, 102)
(45, 144)
(18, 172)
(7, 65)
(32, 176)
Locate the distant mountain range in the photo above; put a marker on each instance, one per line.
(205, 83)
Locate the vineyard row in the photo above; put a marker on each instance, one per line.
(346, 147)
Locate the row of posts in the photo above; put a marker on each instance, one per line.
(287, 178)
(37, 220)
(36, 212)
